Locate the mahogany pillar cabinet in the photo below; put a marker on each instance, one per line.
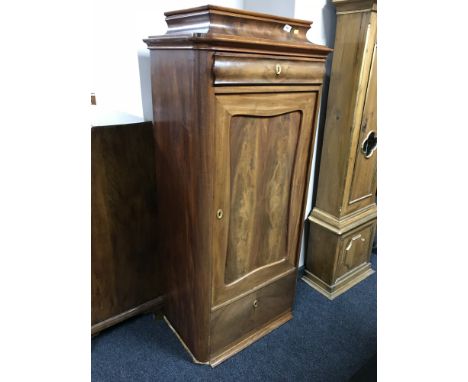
(235, 100)
(344, 218)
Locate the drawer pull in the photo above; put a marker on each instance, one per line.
(278, 69)
(255, 304)
(219, 214)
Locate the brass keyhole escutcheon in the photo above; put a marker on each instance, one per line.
(255, 304)
(370, 144)
(278, 69)
(219, 214)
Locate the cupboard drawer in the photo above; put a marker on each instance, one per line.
(237, 320)
(241, 70)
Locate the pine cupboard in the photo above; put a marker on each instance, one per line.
(235, 100)
(344, 219)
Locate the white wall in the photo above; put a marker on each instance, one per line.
(121, 70)
(283, 8)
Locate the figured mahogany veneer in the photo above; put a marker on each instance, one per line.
(125, 271)
(235, 98)
(240, 70)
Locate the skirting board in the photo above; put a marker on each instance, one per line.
(342, 285)
(236, 348)
(151, 305)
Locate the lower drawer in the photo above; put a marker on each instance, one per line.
(243, 317)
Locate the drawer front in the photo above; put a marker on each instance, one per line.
(355, 249)
(235, 321)
(239, 70)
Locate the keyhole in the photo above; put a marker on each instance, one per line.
(370, 144)
(278, 69)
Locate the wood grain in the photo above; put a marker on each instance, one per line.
(233, 149)
(346, 191)
(251, 338)
(231, 197)
(363, 183)
(345, 99)
(262, 158)
(241, 70)
(217, 28)
(237, 320)
(355, 249)
(125, 273)
(184, 140)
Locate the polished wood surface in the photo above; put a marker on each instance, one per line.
(217, 28)
(347, 181)
(253, 311)
(261, 178)
(234, 123)
(125, 274)
(184, 137)
(240, 70)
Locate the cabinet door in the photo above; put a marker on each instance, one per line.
(363, 181)
(263, 145)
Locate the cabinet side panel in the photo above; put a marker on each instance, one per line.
(183, 145)
(351, 31)
(125, 272)
(321, 253)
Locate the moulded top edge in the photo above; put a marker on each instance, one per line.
(227, 40)
(237, 12)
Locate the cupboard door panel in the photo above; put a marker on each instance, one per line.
(263, 144)
(262, 158)
(355, 249)
(364, 176)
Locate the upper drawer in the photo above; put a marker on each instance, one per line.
(240, 70)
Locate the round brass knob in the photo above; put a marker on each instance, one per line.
(278, 69)
(219, 214)
(255, 304)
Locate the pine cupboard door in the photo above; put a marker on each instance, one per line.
(362, 182)
(263, 148)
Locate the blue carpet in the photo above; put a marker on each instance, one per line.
(325, 341)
